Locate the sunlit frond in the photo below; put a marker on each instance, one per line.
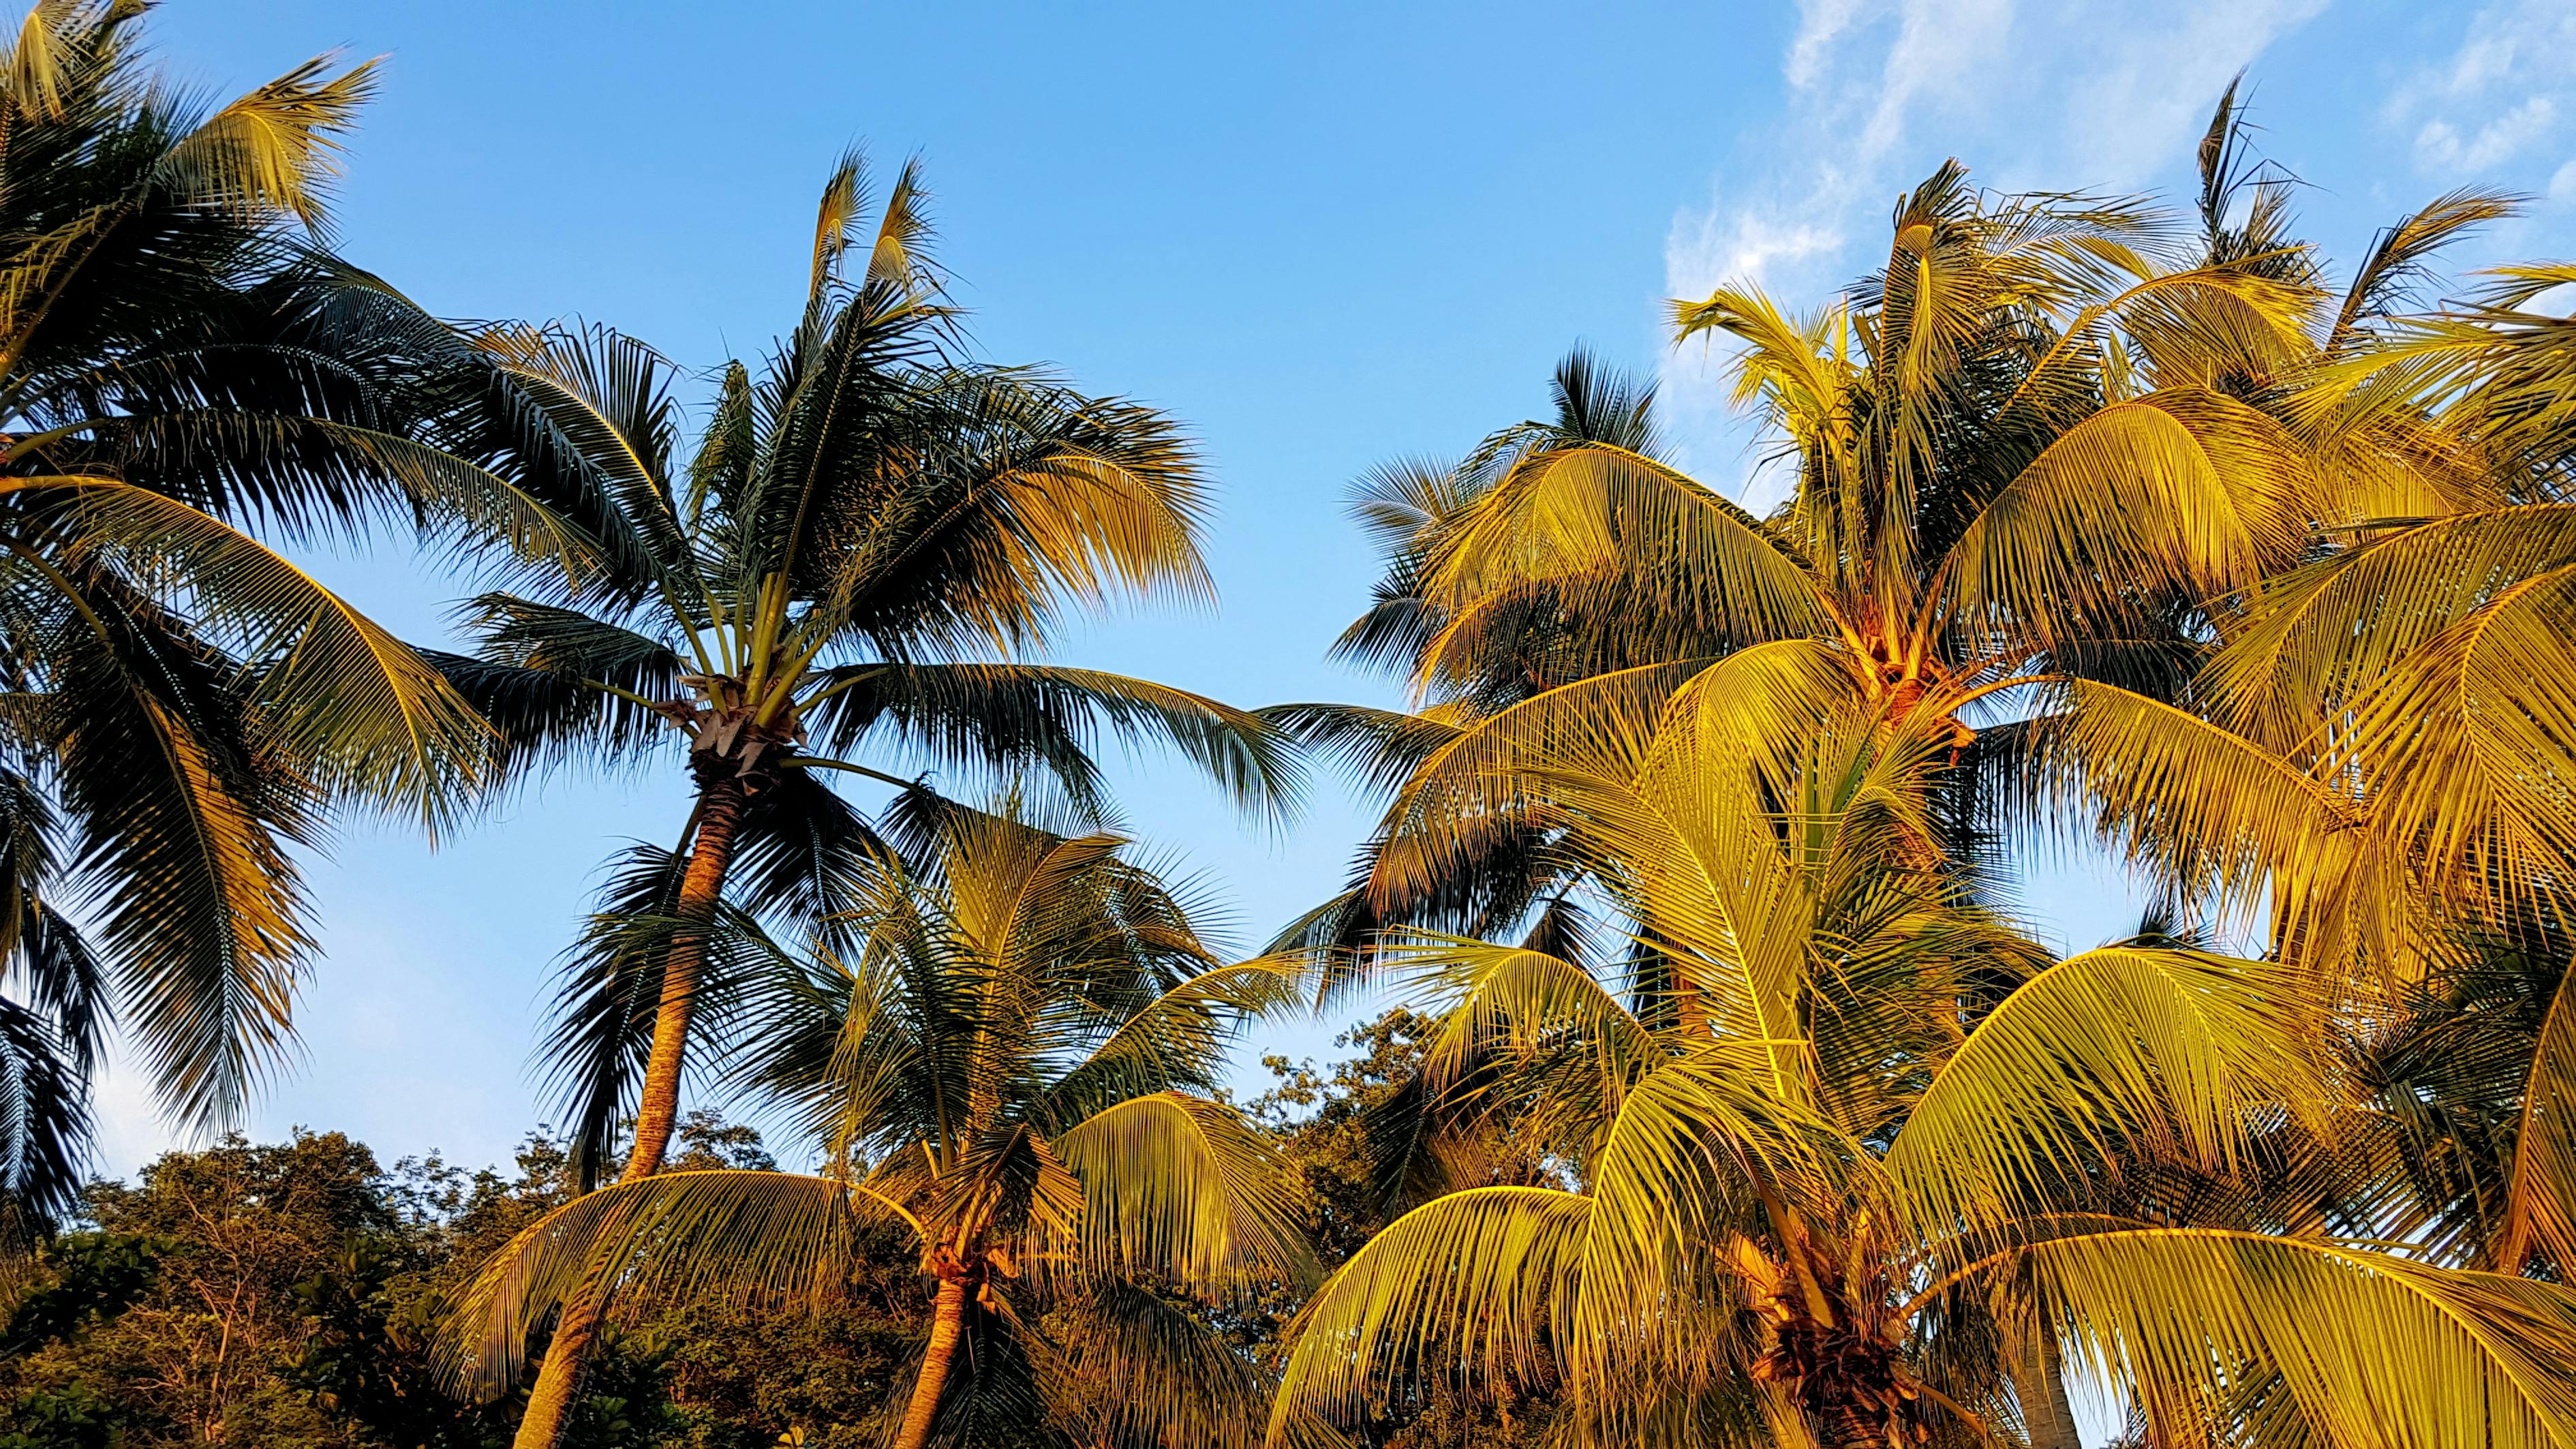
(1179, 1188)
(1463, 1284)
(272, 149)
(2209, 495)
(2116, 1056)
(2373, 1349)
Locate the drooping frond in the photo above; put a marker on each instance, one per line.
(766, 1234)
(2372, 1349)
(1181, 1036)
(2114, 1057)
(1179, 1188)
(364, 712)
(2191, 492)
(1012, 717)
(1461, 1285)
(2187, 799)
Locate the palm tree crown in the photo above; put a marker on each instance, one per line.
(854, 529)
(1853, 1164)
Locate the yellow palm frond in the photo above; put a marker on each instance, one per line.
(2110, 1058)
(271, 150)
(2192, 492)
(1178, 1188)
(365, 712)
(2375, 1351)
(2320, 634)
(2468, 744)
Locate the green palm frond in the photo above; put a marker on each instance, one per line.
(771, 1235)
(1181, 1036)
(364, 712)
(1009, 717)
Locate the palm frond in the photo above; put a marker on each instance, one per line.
(1178, 1188)
(2116, 1057)
(2370, 1348)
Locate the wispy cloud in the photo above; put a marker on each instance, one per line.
(2508, 91)
(1879, 91)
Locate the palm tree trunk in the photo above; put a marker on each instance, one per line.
(2046, 1412)
(947, 1319)
(576, 1329)
(720, 809)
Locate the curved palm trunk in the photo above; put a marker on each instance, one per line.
(550, 1402)
(721, 802)
(947, 1320)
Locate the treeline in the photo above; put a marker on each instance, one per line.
(291, 1295)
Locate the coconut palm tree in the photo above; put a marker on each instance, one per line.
(2030, 386)
(1853, 1164)
(182, 367)
(1011, 1068)
(865, 540)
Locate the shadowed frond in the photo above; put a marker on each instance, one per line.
(764, 1234)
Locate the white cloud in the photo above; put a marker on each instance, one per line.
(2505, 92)
(2091, 92)
(2439, 146)
(1820, 23)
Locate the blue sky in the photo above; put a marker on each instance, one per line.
(1324, 235)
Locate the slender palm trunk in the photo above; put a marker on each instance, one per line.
(2046, 1411)
(720, 808)
(947, 1320)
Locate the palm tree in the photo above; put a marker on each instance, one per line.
(1011, 1068)
(181, 365)
(854, 528)
(1853, 1164)
(2379, 760)
(2031, 386)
